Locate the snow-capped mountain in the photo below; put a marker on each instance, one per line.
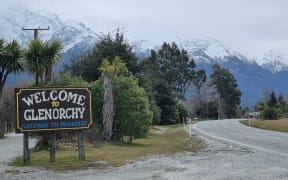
(71, 34)
(213, 48)
(274, 62)
(76, 38)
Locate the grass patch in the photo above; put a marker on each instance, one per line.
(101, 155)
(274, 125)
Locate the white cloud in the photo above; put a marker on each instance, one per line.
(250, 26)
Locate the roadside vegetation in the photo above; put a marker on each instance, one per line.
(273, 112)
(161, 140)
(274, 125)
(130, 95)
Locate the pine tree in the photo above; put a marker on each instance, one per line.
(227, 88)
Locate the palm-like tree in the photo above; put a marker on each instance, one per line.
(10, 62)
(52, 52)
(41, 56)
(35, 58)
(109, 72)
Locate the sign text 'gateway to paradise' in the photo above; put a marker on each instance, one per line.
(53, 108)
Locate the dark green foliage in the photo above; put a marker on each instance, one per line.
(10, 62)
(97, 103)
(273, 99)
(67, 79)
(227, 88)
(183, 112)
(199, 80)
(274, 108)
(176, 68)
(149, 78)
(212, 110)
(132, 116)
(167, 103)
(40, 58)
(165, 75)
(108, 47)
(270, 113)
(132, 109)
(156, 112)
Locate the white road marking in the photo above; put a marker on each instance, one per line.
(275, 137)
(247, 145)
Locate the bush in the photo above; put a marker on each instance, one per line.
(270, 113)
(132, 114)
(182, 112)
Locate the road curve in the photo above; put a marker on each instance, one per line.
(234, 132)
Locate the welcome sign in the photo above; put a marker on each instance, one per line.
(53, 108)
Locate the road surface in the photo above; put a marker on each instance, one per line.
(234, 152)
(234, 132)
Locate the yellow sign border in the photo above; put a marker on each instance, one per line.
(19, 129)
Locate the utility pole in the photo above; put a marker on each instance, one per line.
(35, 30)
(26, 152)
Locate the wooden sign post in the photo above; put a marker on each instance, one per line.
(51, 109)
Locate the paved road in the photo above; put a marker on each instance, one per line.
(234, 132)
(234, 152)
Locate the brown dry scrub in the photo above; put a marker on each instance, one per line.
(274, 125)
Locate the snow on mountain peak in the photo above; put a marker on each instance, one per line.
(272, 56)
(70, 33)
(274, 62)
(213, 49)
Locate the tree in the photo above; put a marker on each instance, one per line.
(149, 77)
(167, 103)
(176, 68)
(183, 112)
(37, 62)
(10, 62)
(198, 82)
(165, 75)
(52, 52)
(273, 108)
(132, 114)
(109, 46)
(207, 106)
(227, 88)
(67, 79)
(109, 72)
(40, 57)
(273, 99)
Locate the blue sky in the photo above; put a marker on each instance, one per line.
(251, 27)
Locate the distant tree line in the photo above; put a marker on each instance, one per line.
(215, 97)
(272, 107)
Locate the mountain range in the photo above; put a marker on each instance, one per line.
(252, 77)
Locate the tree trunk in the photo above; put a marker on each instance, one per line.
(2, 121)
(37, 79)
(108, 109)
(48, 74)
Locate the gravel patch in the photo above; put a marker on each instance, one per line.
(218, 161)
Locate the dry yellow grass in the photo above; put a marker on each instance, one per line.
(173, 139)
(274, 125)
